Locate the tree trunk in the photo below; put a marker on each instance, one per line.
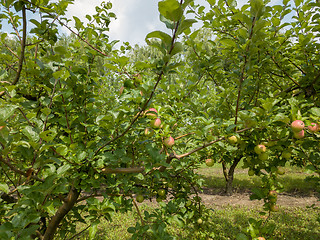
(228, 175)
(61, 213)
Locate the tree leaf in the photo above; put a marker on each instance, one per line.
(164, 37)
(4, 187)
(6, 112)
(170, 9)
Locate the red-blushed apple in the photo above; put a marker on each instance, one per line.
(261, 238)
(2, 127)
(139, 198)
(260, 149)
(273, 195)
(148, 132)
(232, 140)
(297, 125)
(263, 156)
(155, 123)
(299, 135)
(151, 113)
(168, 142)
(274, 208)
(314, 127)
(281, 171)
(209, 162)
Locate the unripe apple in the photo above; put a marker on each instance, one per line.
(260, 149)
(168, 142)
(286, 155)
(274, 208)
(151, 113)
(233, 140)
(263, 156)
(314, 127)
(273, 194)
(199, 221)
(281, 171)
(209, 162)
(297, 125)
(161, 192)
(139, 198)
(155, 123)
(148, 132)
(250, 172)
(299, 135)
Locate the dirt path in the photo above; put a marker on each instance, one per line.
(243, 199)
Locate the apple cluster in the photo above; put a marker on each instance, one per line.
(155, 123)
(298, 126)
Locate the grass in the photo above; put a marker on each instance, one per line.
(226, 223)
(292, 223)
(293, 181)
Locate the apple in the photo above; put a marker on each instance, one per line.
(155, 123)
(274, 208)
(148, 132)
(2, 127)
(159, 199)
(161, 192)
(139, 198)
(152, 113)
(281, 171)
(297, 125)
(233, 140)
(168, 142)
(299, 135)
(137, 79)
(314, 127)
(263, 156)
(286, 155)
(199, 221)
(209, 162)
(260, 149)
(251, 172)
(261, 238)
(273, 194)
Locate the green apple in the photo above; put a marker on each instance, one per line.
(263, 156)
(162, 192)
(232, 140)
(286, 155)
(281, 171)
(139, 198)
(199, 221)
(209, 162)
(274, 208)
(250, 172)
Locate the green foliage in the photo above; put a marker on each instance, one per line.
(68, 137)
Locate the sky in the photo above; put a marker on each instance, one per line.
(135, 18)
